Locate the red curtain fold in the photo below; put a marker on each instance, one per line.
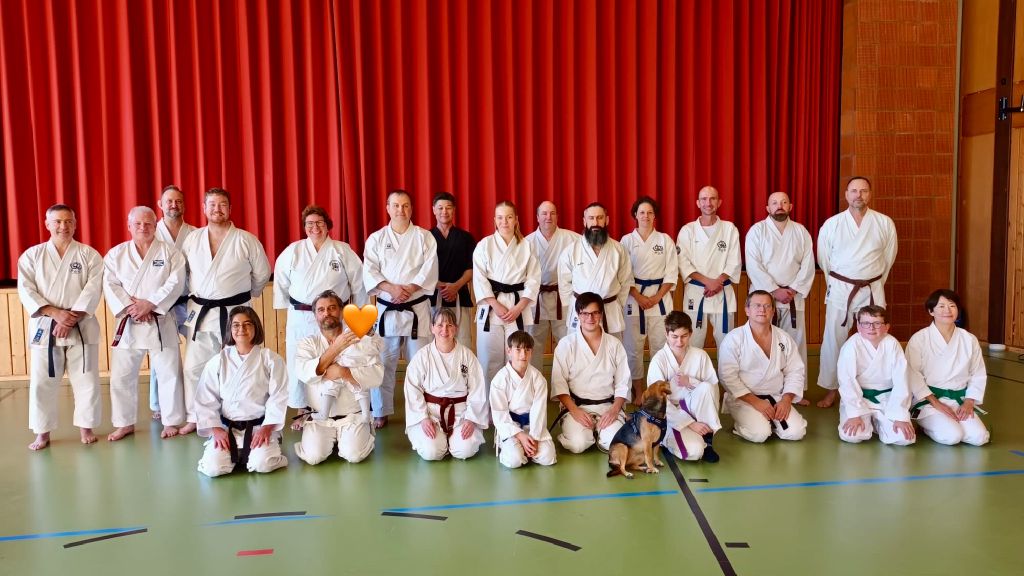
(283, 103)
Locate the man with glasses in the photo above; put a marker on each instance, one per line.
(590, 378)
(763, 374)
(873, 388)
(305, 269)
(856, 250)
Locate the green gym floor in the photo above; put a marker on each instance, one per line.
(814, 507)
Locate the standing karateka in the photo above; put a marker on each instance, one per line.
(506, 281)
(549, 314)
(856, 250)
(762, 372)
(780, 260)
(338, 370)
(873, 391)
(454, 266)
(226, 267)
(947, 375)
(598, 264)
(693, 407)
(307, 268)
(144, 277)
(590, 378)
(172, 229)
(241, 401)
(59, 284)
(655, 272)
(519, 408)
(709, 262)
(445, 395)
(400, 269)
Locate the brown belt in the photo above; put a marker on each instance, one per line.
(447, 405)
(857, 285)
(558, 299)
(604, 317)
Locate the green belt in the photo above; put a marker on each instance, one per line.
(872, 395)
(957, 395)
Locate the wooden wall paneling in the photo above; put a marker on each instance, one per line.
(16, 321)
(5, 339)
(1015, 246)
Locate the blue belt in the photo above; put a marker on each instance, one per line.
(725, 307)
(521, 419)
(646, 284)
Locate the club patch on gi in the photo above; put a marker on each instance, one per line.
(76, 267)
(464, 370)
(689, 304)
(388, 246)
(158, 263)
(721, 245)
(782, 347)
(335, 266)
(658, 249)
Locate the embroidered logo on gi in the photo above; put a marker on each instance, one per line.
(388, 246)
(721, 245)
(76, 268)
(38, 337)
(689, 304)
(158, 263)
(464, 370)
(629, 309)
(658, 249)
(335, 266)
(782, 347)
(679, 250)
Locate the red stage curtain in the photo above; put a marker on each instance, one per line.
(289, 102)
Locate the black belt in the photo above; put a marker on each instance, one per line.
(221, 304)
(309, 412)
(579, 402)
(53, 342)
(299, 305)
(792, 312)
(183, 299)
(521, 419)
(646, 284)
(771, 400)
(604, 316)
(502, 288)
(240, 457)
(403, 307)
(558, 302)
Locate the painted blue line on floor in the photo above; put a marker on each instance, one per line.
(68, 533)
(262, 520)
(534, 501)
(1017, 452)
(858, 481)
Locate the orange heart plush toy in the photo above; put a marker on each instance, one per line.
(360, 320)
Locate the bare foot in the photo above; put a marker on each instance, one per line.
(804, 402)
(297, 423)
(156, 415)
(169, 432)
(121, 433)
(87, 436)
(829, 399)
(188, 428)
(381, 422)
(42, 441)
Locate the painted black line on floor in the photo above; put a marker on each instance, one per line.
(699, 480)
(420, 516)
(106, 537)
(698, 514)
(737, 545)
(270, 515)
(549, 540)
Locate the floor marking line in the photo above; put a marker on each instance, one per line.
(859, 481)
(737, 545)
(554, 499)
(107, 537)
(702, 520)
(270, 515)
(261, 520)
(549, 540)
(67, 533)
(699, 480)
(420, 516)
(260, 552)
(1017, 452)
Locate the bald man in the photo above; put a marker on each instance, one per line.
(549, 241)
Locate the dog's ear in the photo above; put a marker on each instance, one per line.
(663, 388)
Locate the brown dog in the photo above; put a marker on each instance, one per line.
(635, 444)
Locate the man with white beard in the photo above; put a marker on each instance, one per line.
(143, 279)
(549, 241)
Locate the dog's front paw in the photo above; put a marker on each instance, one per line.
(629, 475)
(652, 470)
(659, 463)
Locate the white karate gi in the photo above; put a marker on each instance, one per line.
(513, 263)
(240, 265)
(179, 311)
(75, 283)
(864, 367)
(522, 395)
(858, 253)
(577, 370)
(450, 375)
(711, 255)
(954, 365)
(607, 274)
(744, 369)
(158, 277)
(686, 406)
(549, 317)
(352, 432)
(776, 259)
(239, 389)
(652, 260)
(301, 273)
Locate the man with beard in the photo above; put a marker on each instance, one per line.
(227, 267)
(780, 260)
(454, 266)
(709, 262)
(598, 264)
(549, 241)
(856, 250)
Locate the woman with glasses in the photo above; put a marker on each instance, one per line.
(307, 268)
(240, 402)
(947, 375)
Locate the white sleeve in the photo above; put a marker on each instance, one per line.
(282, 278)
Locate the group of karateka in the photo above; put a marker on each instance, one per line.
(598, 299)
